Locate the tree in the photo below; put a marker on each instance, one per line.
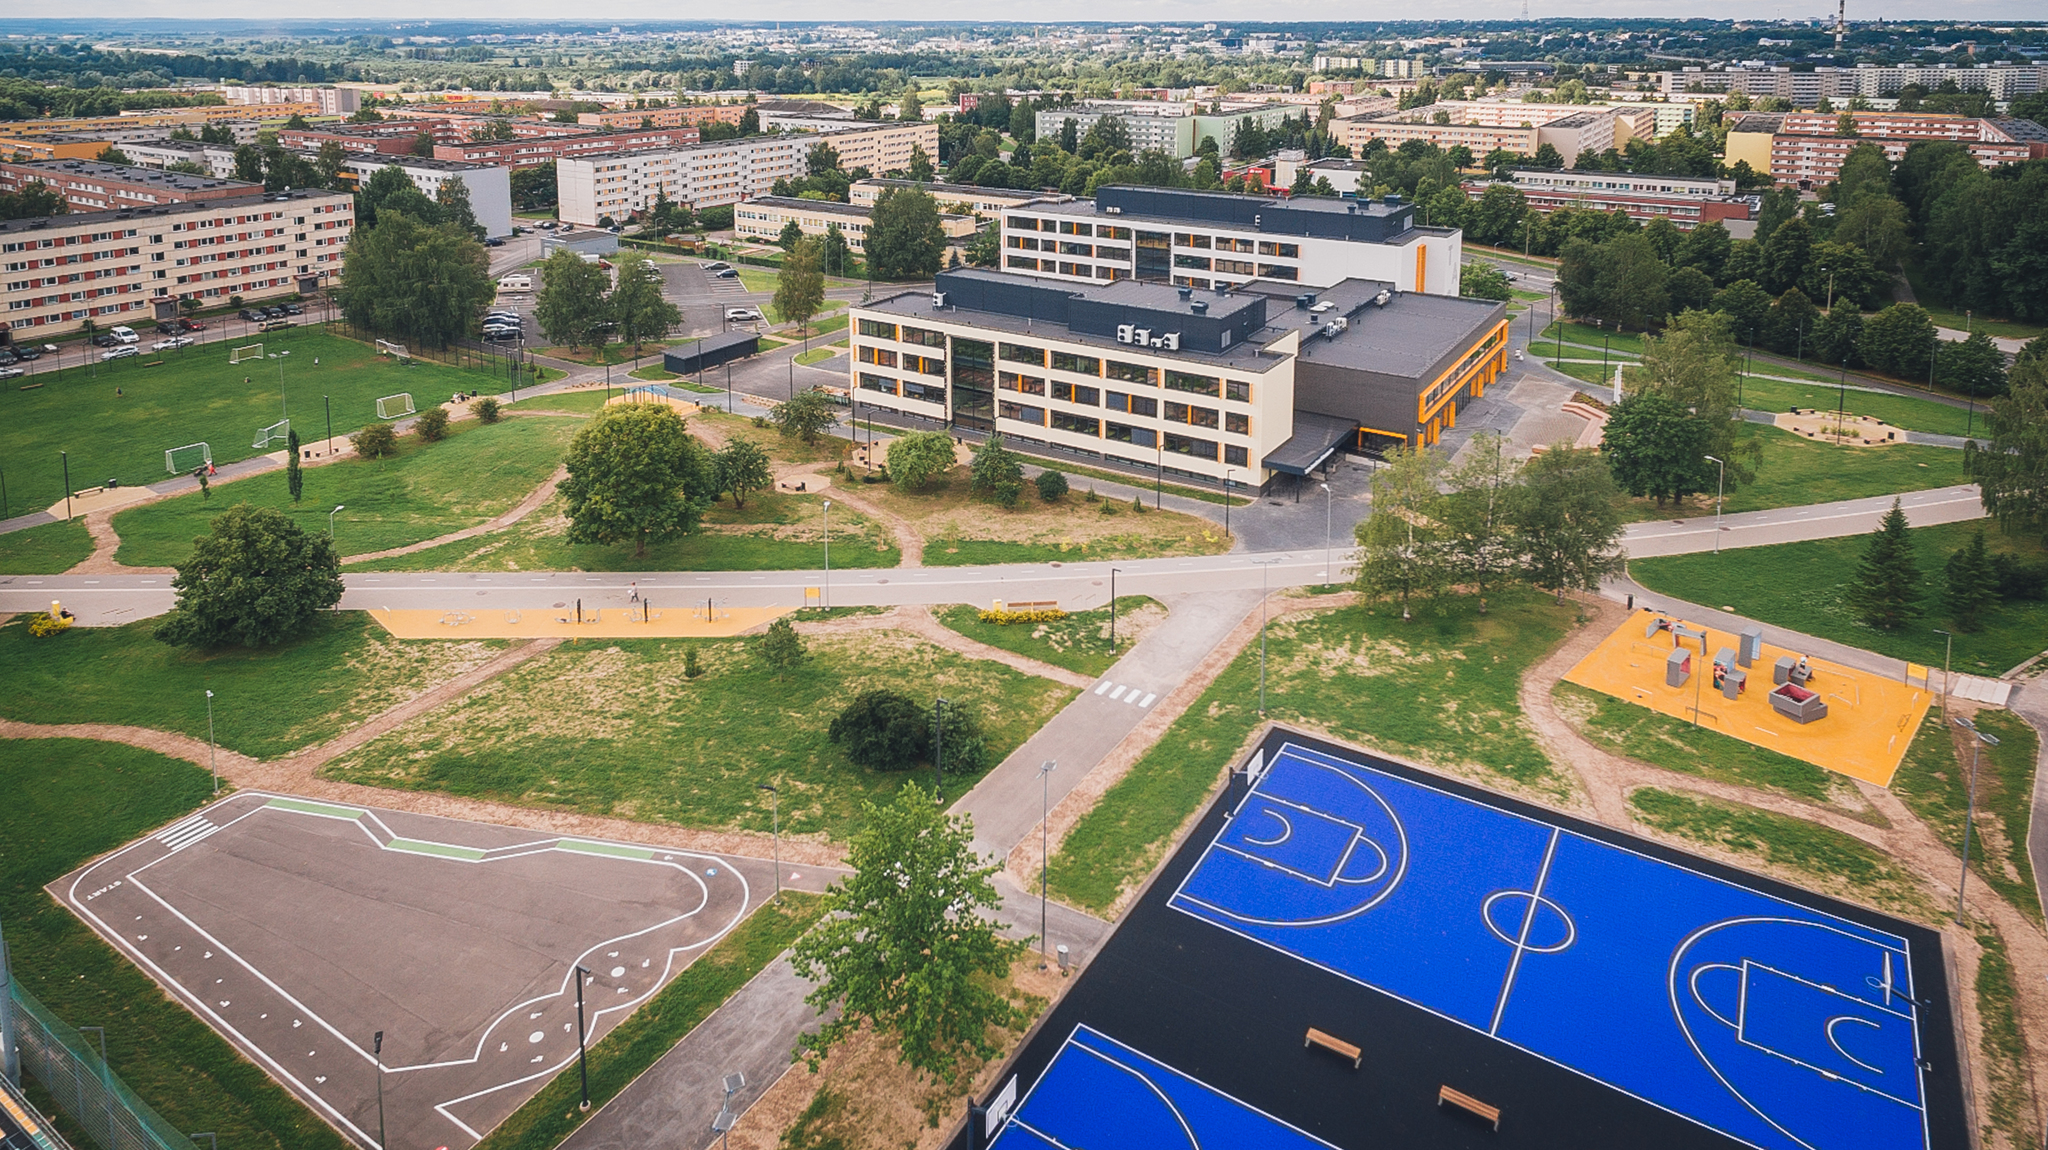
(985, 250)
(432, 425)
(412, 279)
(906, 944)
(423, 145)
(1052, 485)
(1400, 550)
(1656, 448)
(571, 308)
(1546, 156)
(453, 199)
(1969, 584)
(833, 251)
(1898, 341)
(742, 467)
(636, 304)
(806, 415)
(1694, 364)
(791, 235)
(35, 200)
(904, 238)
(883, 730)
(1565, 517)
(996, 472)
(294, 476)
(249, 163)
(113, 155)
(920, 165)
(2011, 472)
(330, 162)
(375, 441)
(780, 648)
(1689, 289)
(1479, 546)
(800, 285)
(918, 457)
(254, 580)
(1706, 247)
(1786, 254)
(1973, 366)
(1483, 281)
(635, 474)
(1885, 592)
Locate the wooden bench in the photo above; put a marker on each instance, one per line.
(1034, 605)
(1467, 1102)
(1333, 1043)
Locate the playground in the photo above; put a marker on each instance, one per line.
(642, 620)
(1845, 720)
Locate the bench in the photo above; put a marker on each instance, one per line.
(1468, 1103)
(1333, 1043)
(1035, 605)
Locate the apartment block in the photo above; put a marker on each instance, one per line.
(1686, 203)
(1805, 89)
(115, 266)
(217, 159)
(90, 186)
(1807, 152)
(977, 200)
(882, 147)
(1246, 386)
(1216, 239)
(526, 151)
(1356, 132)
(490, 186)
(619, 184)
(763, 218)
(330, 101)
(686, 116)
(1174, 128)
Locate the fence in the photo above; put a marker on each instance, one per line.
(94, 1097)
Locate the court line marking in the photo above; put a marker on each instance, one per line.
(1823, 1071)
(1829, 1030)
(1186, 1129)
(1507, 985)
(1286, 830)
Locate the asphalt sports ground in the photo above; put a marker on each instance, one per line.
(300, 929)
(1599, 989)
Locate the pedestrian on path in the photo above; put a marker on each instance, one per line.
(634, 592)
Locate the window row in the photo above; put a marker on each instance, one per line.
(1232, 244)
(907, 388)
(1234, 267)
(1069, 248)
(1209, 385)
(1081, 395)
(924, 337)
(908, 361)
(1068, 227)
(1062, 267)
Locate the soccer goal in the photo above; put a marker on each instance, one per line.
(395, 350)
(281, 430)
(250, 351)
(182, 460)
(393, 406)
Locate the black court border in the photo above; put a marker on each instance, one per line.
(1234, 1014)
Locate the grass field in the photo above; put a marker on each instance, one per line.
(45, 550)
(1934, 781)
(1796, 472)
(774, 532)
(1898, 410)
(1818, 856)
(618, 729)
(815, 355)
(479, 472)
(268, 703)
(68, 801)
(1801, 586)
(639, 1042)
(195, 396)
(1628, 343)
(1440, 689)
(962, 530)
(1079, 642)
(580, 401)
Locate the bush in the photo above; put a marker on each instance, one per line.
(375, 441)
(432, 425)
(1040, 615)
(1138, 504)
(781, 648)
(486, 409)
(1052, 485)
(691, 666)
(45, 624)
(883, 730)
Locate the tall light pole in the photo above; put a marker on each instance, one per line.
(938, 748)
(1265, 568)
(582, 1064)
(1720, 481)
(774, 828)
(1979, 742)
(1328, 500)
(1112, 609)
(1226, 500)
(1947, 650)
(282, 403)
(211, 764)
(1045, 771)
(377, 1052)
(828, 555)
(65, 456)
(338, 509)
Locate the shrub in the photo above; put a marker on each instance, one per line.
(375, 441)
(45, 624)
(781, 648)
(1052, 485)
(691, 666)
(432, 425)
(1004, 618)
(1137, 505)
(487, 409)
(883, 730)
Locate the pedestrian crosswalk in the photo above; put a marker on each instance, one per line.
(1982, 690)
(180, 835)
(1119, 693)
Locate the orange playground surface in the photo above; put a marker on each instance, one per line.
(1859, 723)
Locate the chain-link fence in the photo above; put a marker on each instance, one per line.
(72, 1071)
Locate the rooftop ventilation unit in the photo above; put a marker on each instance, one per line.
(1187, 293)
(1199, 307)
(1305, 300)
(938, 300)
(1393, 201)
(1381, 299)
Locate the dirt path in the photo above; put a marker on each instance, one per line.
(105, 542)
(918, 620)
(907, 539)
(521, 510)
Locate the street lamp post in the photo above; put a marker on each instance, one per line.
(938, 748)
(66, 457)
(828, 555)
(582, 1063)
(377, 1053)
(212, 764)
(1720, 482)
(329, 405)
(1226, 500)
(1044, 840)
(1265, 568)
(1112, 609)
(774, 828)
(1328, 499)
(1948, 649)
(338, 509)
(1980, 740)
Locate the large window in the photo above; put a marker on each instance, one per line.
(1284, 251)
(923, 336)
(923, 364)
(974, 384)
(1131, 373)
(1236, 423)
(881, 383)
(1112, 232)
(1197, 263)
(1061, 421)
(1185, 240)
(1234, 267)
(1026, 384)
(1198, 384)
(878, 329)
(1187, 445)
(1071, 228)
(1131, 404)
(1227, 244)
(1076, 393)
(1021, 413)
(1079, 364)
(1125, 433)
(1235, 456)
(924, 391)
(1238, 390)
(879, 356)
(1023, 353)
(1155, 255)
(1069, 248)
(1279, 271)
(1024, 263)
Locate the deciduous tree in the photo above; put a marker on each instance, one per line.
(1401, 550)
(904, 238)
(800, 285)
(2011, 472)
(254, 580)
(781, 648)
(918, 457)
(571, 308)
(1694, 364)
(636, 304)
(1566, 520)
(883, 730)
(742, 467)
(996, 472)
(636, 475)
(419, 281)
(806, 415)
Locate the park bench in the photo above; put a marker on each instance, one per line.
(1333, 1043)
(1470, 1104)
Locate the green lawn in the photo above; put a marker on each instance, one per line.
(582, 400)
(611, 353)
(815, 355)
(1934, 781)
(1801, 586)
(68, 801)
(1440, 689)
(480, 471)
(1079, 642)
(1674, 744)
(990, 552)
(1898, 410)
(1797, 471)
(618, 729)
(1834, 862)
(774, 532)
(45, 550)
(1629, 343)
(640, 1041)
(268, 703)
(195, 396)
(653, 373)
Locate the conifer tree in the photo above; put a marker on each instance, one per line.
(1971, 585)
(1886, 590)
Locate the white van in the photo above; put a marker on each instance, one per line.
(516, 283)
(124, 334)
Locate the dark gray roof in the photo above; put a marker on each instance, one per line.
(1406, 337)
(123, 174)
(826, 207)
(71, 220)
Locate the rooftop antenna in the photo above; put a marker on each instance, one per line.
(1525, 10)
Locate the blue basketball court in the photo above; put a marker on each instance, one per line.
(1766, 1020)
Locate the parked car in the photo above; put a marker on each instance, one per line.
(714, 265)
(501, 334)
(741, 315)
(192, 324)
(167, 344)
(25, 352)
(247, 315)
(104, 339)
(294, 309)
(7, 357)
(12, 372)
(122, 352)
(727, 274)
(124, 334)
(494, 242)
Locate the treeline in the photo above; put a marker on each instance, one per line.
(29, 100)
(64, 62)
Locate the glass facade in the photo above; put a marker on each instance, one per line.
(974, 384)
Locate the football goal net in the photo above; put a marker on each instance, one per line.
(251, 351)
(393, 406)
(281, 430)
(394, 350)
(182, 460)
